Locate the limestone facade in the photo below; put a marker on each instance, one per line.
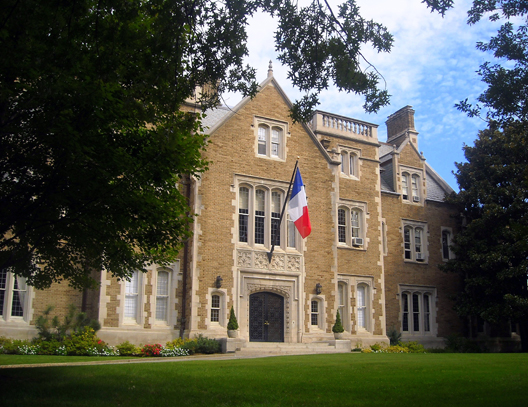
(379, 230)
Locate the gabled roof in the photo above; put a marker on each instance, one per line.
(437, 187)
(216, 118)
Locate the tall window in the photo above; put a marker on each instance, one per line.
(342, 303)
(415, 190)
(414, 241)
(243, 214)
(132, 298)
(275, 217)
(416, 312)
(263, 136)
(292, 232)
(362, 307)
(350, 226)
(355, 222)
(314, 312)
(405, 186)
(341, 225)
(260, 215)
(270, 141)
(405, 312)
(446, 245)
(259, 223)
(13, 295)
(162, 296)
(349, 164)
(215, 308)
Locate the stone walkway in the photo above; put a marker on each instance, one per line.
(217, 356)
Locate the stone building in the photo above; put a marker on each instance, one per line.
(379, 230)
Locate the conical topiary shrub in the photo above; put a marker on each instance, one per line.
(338, 326)
(232, 325)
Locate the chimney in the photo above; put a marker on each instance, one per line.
(400, 124)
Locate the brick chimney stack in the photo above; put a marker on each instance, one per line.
(401, 124)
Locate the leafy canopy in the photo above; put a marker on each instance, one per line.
(492, 247)
(95, 152)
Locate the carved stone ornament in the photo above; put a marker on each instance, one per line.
(244, 258)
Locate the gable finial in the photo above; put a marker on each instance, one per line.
(270, 69)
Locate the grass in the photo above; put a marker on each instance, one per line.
(321, 380)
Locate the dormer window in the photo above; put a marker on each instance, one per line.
(411, 182)
(270, 138)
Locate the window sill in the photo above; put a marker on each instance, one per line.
(346, 176)
(357, 248)
(271, 158)
(13, 321)
(424, 263)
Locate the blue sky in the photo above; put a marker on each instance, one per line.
(431, 67)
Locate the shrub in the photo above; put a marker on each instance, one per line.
(151, 350)
(190, 346)
(232, 325)
(394, 336)
(413, 347)
(459, 344)
(74, 322)
(338, 326)
(79, 343)
(176, 343)
(11, 346)
(206, 345)
(48, 347)
(128, 349)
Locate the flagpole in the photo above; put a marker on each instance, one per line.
(270, 254)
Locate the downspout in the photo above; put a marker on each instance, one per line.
(186, 248)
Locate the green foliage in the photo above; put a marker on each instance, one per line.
(338, 326)
(128, 349)
(458, 344)
(50, 329)
(202, 344)
(151, 350)
(413, 347)
(491, 247)
(206, 345)
(79, 342)
(93, 141)
(400, 347)
(393, 335)
(48, 347)
(232, 325)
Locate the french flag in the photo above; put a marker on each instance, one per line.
(298, 208)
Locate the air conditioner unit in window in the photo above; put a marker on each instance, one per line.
(416, 198)
(420, 256)
(357, 241)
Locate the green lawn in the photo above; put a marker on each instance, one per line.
(318, 380)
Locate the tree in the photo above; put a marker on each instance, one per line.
(505, 98)
(93, 144)
(492, 248)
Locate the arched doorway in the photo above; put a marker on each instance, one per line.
(266, 317)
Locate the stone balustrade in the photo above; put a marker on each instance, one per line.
(344, 126)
